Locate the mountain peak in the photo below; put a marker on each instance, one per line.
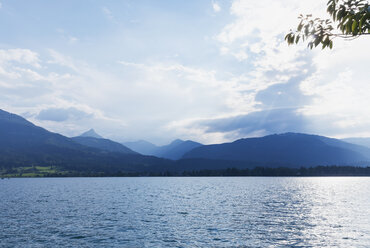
(91, 133)
(176, 142)
(13, 118)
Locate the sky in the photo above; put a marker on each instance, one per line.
(206, 70)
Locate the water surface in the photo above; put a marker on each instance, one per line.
(185, 212)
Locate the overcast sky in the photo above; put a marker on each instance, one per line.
(205, 70)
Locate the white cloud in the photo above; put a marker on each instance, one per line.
(195, 86)
(247, 67)
(64, 35)
(266, 19)
(62, 60)
(108, 13)
(24, 56)
(259, 27)
(336, 80)
(138, 101)
(341, 86)
(256, 36)
(72, 40)
(216, 7)
(16, 63)
(27, 87)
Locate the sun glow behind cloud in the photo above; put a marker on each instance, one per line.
(204, 70)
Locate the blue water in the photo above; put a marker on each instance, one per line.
(185, 212)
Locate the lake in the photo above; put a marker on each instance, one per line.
(185, 212)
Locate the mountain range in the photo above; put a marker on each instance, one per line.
(175, 150)
(23, 144)
(92, 139)
(91, 133)
(289, 149)
(358, 141)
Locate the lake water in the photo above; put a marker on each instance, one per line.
(185, 212)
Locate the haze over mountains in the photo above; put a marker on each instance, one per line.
(358, 141)
(25, 144)
(290, 149)
(103, 144)
(175, 150)
(141, 146)
(91, 133)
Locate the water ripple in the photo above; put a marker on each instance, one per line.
(185, 212)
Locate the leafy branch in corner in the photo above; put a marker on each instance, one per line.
(349, 19)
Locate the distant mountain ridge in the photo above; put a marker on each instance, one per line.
(141, 146)
(175, 150)
(103, 144)
(25, 144)
(362, 141)
(91, 139)
(291, 149)
(17, 132)
(91, 133)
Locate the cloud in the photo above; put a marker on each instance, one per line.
(57, 92)
(262, 122)
(252, 124)
(22, 56)
(232, 76)
(69, 38)
(62, 60)
(138, 101)
(202, 89)
(61, 114)
(340, 88)
(108, 13)
(324, 87)
(275, 70)
(216, 7)
(72, 40)
(266, 19)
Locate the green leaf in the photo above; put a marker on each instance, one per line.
(362, 20)
(300, 26)
(297, 39)
(317, 41)
(354, 26)
(292, 39)
(340, 14)
(286, 36)
(348, 27)
(306, 32)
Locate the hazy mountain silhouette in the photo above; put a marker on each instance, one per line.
(175, 150)
(25, 144)
(103, 144)
(91, 133)
(18, 133)
(290, 149)
(358, 141)
(142, 147)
